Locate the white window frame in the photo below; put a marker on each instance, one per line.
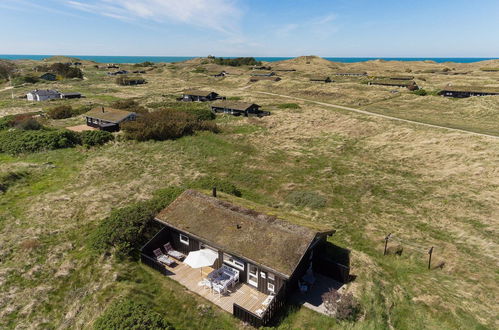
(271, 287)
(184, 239)
(233, 261)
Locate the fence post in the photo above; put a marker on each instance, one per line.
(429, 258)
(386, 242)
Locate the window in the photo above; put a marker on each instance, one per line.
(271, 276)
(184, 239)
(271, 287)
(228, 259)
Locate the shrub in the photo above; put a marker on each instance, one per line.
(163, 125)
(221, 185)
(22, 121)
(65, 70)
(343, 307)
(235, 61)
(7, 68)
(146, 63)
(60, 112)
(199, 69)
(420, 92)
(306, 199)
(125, 230)
(288, 106)
(28, 124)
(20, 141)
(128, 314)
(129, 105)
(20, 80)
(95, 138)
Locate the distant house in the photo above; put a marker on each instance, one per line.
(112, 66)
(259, 259)
(463, 91)
(48, 76)
(321, 79)
(70, 95)
(263, 74)
(261, 67)
(43, 95)
(237, 108)
(397, 77)
(260, 78)
(198, 95)
(117, 73)
(411, 85)
(130, 81)
(351, 73)
(218, 74)
(139, 71)
(285, 70)
(108, 119)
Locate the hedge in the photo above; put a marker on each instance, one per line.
(21, 141)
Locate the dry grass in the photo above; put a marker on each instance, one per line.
(428, 187)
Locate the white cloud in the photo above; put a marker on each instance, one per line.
(220, 15)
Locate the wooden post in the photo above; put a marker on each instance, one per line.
(429, 259)
(214, 191)
(386, 242)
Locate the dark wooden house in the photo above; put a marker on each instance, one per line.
(409, 84)
(238, 108)
(198, 95)
(49, 76)
(108, 119)
(264, 78)
(271, 255)
(71, 95)
(320, 79)
(351, 73)
(463, 91)
(263, 74)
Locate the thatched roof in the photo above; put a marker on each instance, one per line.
(260, 238)
(197, 92)
(388, 82)
(236, 105)
(108, 114)
(472, 89)
(258, 78)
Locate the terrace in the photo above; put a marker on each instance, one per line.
(241, 300)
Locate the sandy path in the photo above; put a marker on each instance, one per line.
(379, 115)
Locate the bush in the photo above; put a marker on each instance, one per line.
(235, 61)
(20, 80)
(60, 112)
(146, 63)
(29, 124)
(221, 185)
(343, 307)
(65, 70)
(288, 106)
(7, 68)
(420, 92)
(199, 69)
(128, 314)
(306, 199)
(163, 125)
(95, 138)
(129, 105)
(20, 141)
(125, 230)
(22, 121)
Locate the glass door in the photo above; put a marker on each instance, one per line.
(252, 275)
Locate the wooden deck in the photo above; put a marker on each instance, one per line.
(242, 294)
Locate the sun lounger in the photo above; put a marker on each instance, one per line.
(163, 258)
(173, 253)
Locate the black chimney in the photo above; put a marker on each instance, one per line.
(214, 191)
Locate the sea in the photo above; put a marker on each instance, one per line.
(173, 59)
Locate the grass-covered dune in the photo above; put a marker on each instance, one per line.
(426, 186)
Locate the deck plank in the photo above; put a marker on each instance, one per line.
(242, 294)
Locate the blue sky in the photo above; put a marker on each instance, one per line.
(336, 28)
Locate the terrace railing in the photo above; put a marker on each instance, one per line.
(151, 262)
(259, 321)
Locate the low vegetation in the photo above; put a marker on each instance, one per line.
(341, 306)
(128, 314)
(63, 70)
(306, 199)
(165, 124)
(95, 138)
(289, 106)
(27, 141)
(10, 178)
(235, 61)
